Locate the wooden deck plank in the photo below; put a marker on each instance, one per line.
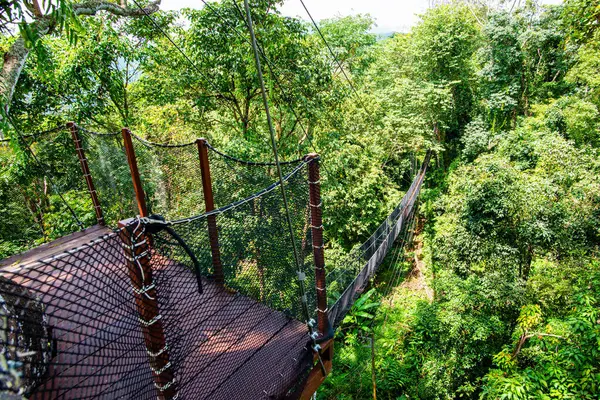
(90, 367)
(219, 301)
(197, 365)
(212, 299)
(236, 355)
(287, 368)
(251, 375)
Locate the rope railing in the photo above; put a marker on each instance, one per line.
(168, 175)
(95, 133)
(150, 143)
(37, 134)
(242, 202)
(47, 185)
(253, 163)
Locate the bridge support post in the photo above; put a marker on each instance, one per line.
(316, 225)
(86, 172)
(135, 173)
(209, 201)
(137, 253)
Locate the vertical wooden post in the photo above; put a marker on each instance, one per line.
(373, 378)
(316, 225)
(135, 174)
(86, 172)
(136, 248)
(316, 376)
(209, 201)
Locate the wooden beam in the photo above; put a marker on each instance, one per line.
(86, 172)
(135, 173)
(211, 220)
(316, 225)
(137, 252)
(316, 377)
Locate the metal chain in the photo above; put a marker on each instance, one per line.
(36, 134)
(253, 163)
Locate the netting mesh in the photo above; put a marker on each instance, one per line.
(69, 325)
(254, 244)
(39, 194)
(347, 282)
(234, 179)
(171, 178)
(122, 317)
(110, 172)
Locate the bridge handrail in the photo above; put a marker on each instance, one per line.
(371, 260)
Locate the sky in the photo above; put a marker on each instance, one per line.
(390, 15)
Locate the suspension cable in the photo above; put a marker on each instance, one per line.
(309, 323)
(273, 141)
(276, 79)
(335, 58)
(179, 49)
(269, 65)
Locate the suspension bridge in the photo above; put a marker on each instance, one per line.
(209, 305)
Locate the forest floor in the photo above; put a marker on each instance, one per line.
(415, 281)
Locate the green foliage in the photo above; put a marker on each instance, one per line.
(581, 18)
(442, 47)
(359, 319)
(476, 139)
(512, 228)
(508, 99)
(552, 358)
(350, 40)
(574, 118)
(584, 73)
(521, 60)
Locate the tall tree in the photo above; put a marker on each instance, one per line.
(443, 47)
(35, 19)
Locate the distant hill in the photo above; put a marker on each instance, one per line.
(385, 35)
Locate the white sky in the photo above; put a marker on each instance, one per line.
(390, 15)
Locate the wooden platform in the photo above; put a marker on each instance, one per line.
(58, 246)
(222, 345)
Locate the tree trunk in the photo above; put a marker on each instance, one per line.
(14, 60)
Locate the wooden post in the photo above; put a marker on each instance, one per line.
(86, 172)
(136, 248)
(316, 376)
(373, 379)
(316, 225)
(209, 201)
(135, 174)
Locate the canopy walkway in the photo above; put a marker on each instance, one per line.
(202, 302)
